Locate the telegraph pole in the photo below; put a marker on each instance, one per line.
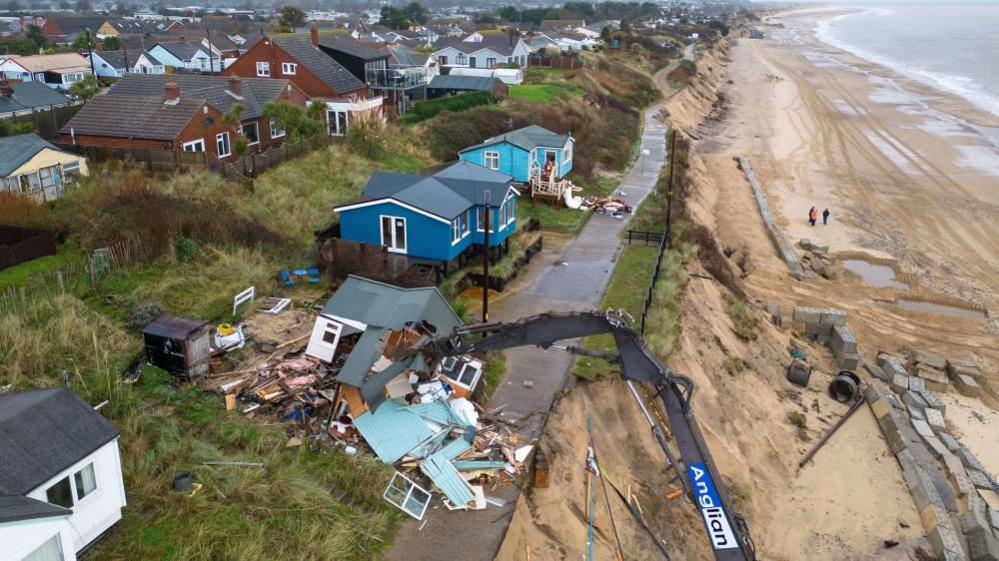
(90, 50)
(485, 263)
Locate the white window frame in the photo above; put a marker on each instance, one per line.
(480, 217)
(408, 490)
(460, 59)
(75, 498)
(76, 483)
(256, 127)
(459, 228)
(55, 539)
(473, 364)
(490, 62)
(334, 327)
(491, 155)
(511, 212)
(274, 127)
(220, 139)
(263, 69)
(405, 233)
(567, 154)
(466, 225)
(193, 143)
(289, 68)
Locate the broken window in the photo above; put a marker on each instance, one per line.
(408, 496)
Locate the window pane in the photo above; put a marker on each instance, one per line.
(86, 483)
(60, 494)
(417, 502)
(51, 550)
(400, 233)
(386, 230)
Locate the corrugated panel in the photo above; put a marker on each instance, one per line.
(392, 431)
(471, 465)
(442, 472)
(436, 411)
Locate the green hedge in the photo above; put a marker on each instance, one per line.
(427, 109)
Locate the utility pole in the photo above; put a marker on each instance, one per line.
(669, 185)
(211, 54)
(485, 262)
(90, 50)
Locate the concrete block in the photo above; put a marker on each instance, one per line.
(990, 497)
(880, 408)
(915, 413)
(831, 317)
(848, 361)
(874, 391)
(922, 428)
(994, 518)
(876, 372)
(805, 244)
(959, 477)
(932, 516)
(930, 359)
(816, 329)
(934, 401)
(945, 543)
(966, 367)
(823, 339)
(934, 379)
(935, 419)
(923, 491)
(900, 383)
(979, 479)
(982, 545)
(891, 429)
(892, 365)
(949, 441)
(936, 447)
(967, 386)
(969, 459)
(806, 315)
(913, 399)
(977, 512)
(843, 340)
(917, 384)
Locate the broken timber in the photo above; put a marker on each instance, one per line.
(786, 250)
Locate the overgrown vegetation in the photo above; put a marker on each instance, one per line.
(454, 104)
(743, 320)
(735, 365)
(798, 420)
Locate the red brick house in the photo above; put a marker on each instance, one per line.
(166, 122)
(223, 93)
(299, 59)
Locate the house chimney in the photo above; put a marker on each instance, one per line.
(314, 34)
(171, 91)
(235, 85)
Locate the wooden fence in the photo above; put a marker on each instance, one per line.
(18, 245)
(78, 277)
(647, 238)
(251, 165)
(339, 258)
(46, 123)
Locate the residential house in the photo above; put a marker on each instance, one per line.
(532, 155)
(62, 28)
(31, 166)
(541, 42)
(188, 55)
(25, 98)
(61, 485)
(491, 51)
(439, 216)
(59, 71)
(570, 41)
(223, 92)
(560, 25)
(168, 121)
(148, 64)
(366, 63)
(110, 64)
(446, 84)
(320, 76)
(408, 74)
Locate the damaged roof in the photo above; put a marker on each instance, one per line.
(383, 308)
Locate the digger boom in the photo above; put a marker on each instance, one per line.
(727, 531)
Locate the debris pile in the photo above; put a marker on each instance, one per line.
(610, 206)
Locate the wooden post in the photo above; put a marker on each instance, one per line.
(62, 283)
(93, 273)
(24, 299)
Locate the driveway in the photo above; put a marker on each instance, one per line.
(573, 279)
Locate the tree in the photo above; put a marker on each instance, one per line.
(393, 18)
(293, 119)
(292, 17)
(233, 117)
(111, 43)
(10, 128)
(80, 43)
(23, 47)
(508, 13)
(415, 13)
(605, 35)
(35, 36)
(85, 88)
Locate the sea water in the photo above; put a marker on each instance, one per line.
(953, 46)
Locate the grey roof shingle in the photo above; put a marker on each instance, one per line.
(183, 50)
(331, 72)
(15, 150)
(116, 59)
(448, 192)
(16, 508)
(352, 47)
(256, 92)
(133, 116)
(42, 433)
(499, 44)
(470, 83)
(528, 138)
(30, 95)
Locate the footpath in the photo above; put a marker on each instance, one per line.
(574, 280)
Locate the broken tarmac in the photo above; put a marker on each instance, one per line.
(574, 280)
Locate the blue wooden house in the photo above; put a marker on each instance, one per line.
(437, 215)
(532, 155)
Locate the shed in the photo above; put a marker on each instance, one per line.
(451, 85)
(178, 345)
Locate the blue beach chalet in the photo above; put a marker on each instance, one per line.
(533, 155)
(437, 215)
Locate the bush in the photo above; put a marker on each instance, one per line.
(24, 211)
(461, 102)
(743, 320)
(367, 138)
(141, 316)
(734, 365)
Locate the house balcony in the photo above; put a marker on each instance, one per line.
(396, 78)
(354, 105)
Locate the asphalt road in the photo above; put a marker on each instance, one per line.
(575, 279)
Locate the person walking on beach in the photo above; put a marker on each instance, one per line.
(812, 216)
(825, 217)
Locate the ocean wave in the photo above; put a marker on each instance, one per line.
(963, 86)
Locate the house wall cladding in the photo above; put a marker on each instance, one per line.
(513, 160)
(425, 237)
(20, 539)
(265, 51)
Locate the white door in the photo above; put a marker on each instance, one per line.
(394, 233)
(324, 339)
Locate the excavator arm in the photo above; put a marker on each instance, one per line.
(727, 531)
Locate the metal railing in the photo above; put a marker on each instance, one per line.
(396, 79)
(650, 289)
